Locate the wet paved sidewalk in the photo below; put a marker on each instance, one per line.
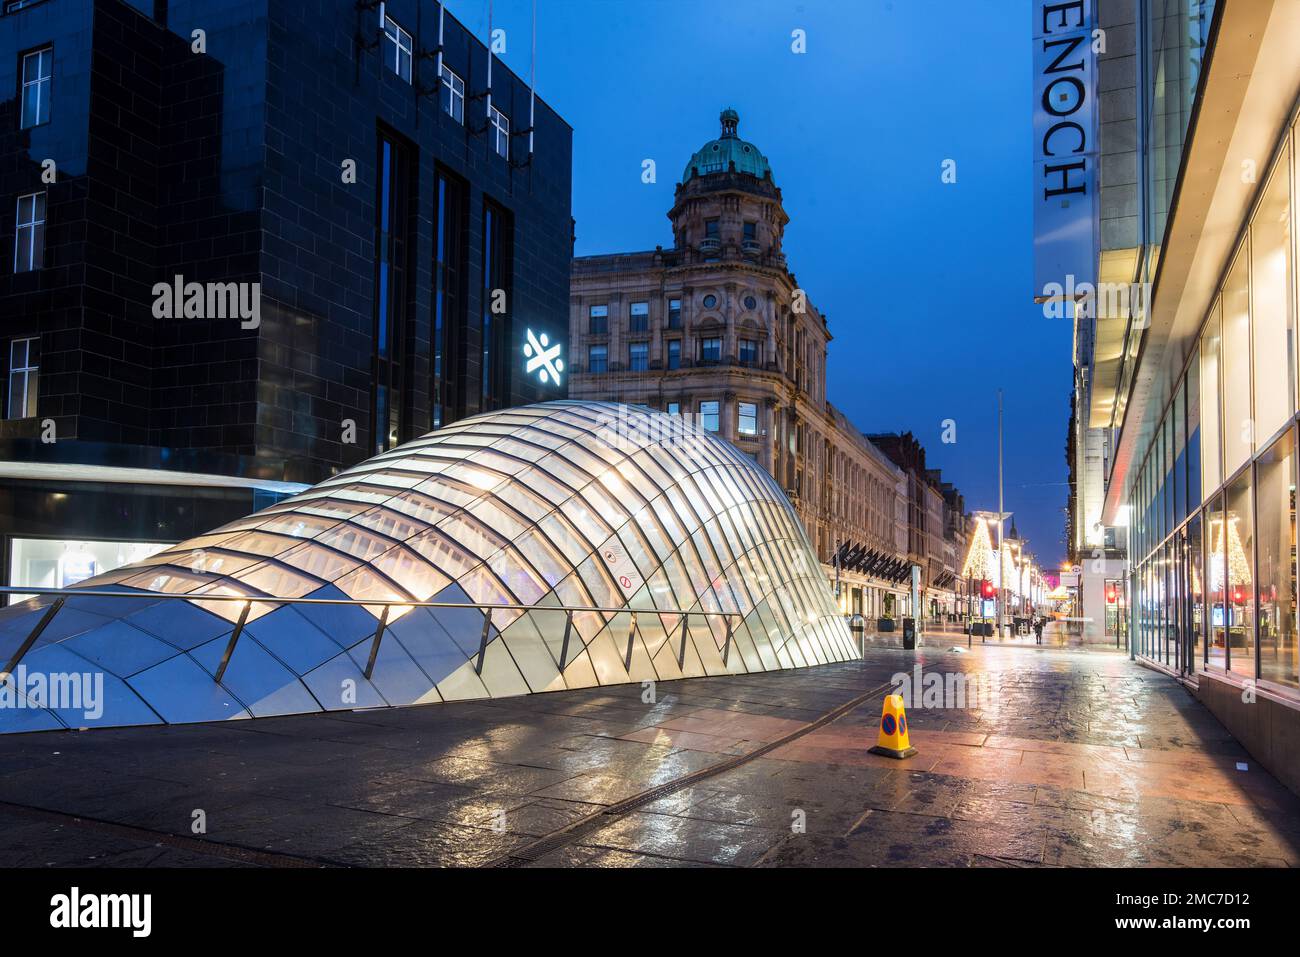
(1060, 758)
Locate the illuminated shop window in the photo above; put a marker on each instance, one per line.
(62, 563)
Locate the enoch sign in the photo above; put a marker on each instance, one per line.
(1065, 142)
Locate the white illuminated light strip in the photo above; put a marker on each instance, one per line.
(543, 358)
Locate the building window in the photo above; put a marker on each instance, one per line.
(24, 365)
(748, 351)
(596, 356)
(37, 67)
(497, 331)
(397, 49)
(453, 95)
(29, 236)
(1211, 448)
(1217, 580)
(638, 356)
(674, 353)
(747, 418)
(640, 317)
(450, 256)
(598, 320)
(500, 133)
(711, 349)
(709, 416)
(751, 230)
(674, 313)
(1237, 423)
(710, 229)
(1239, 545)
(1275, 499)
(710, 301)
(673, 408)
(393, 288)
(1270, 304)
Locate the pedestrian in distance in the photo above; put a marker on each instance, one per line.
(1038, 630)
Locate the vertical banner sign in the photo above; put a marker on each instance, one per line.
(1066, 159)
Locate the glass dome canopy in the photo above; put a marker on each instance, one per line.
(597, 507)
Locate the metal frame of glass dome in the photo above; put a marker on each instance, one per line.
(63, 594)
(474, 548)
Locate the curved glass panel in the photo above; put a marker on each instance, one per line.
(678, 553)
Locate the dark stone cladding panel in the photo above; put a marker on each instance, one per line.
(148, 187)
(225, 167)
(325, 104)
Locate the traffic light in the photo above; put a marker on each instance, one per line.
(1111, 595)
(986, 589)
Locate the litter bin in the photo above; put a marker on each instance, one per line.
(909, 633)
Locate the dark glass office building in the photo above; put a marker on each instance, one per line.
(245, 244)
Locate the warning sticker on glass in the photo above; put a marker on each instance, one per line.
(620, 566)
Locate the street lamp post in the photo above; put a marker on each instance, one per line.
(1000, 604)
(970, 611)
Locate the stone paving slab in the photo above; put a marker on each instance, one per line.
(1080, 759)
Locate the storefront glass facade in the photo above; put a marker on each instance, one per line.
(1212, 510)
(1173, 36)
(62, 563)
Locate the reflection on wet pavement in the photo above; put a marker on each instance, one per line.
(1079, 758)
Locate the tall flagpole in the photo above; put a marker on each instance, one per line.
(532, 85)
(442, 16)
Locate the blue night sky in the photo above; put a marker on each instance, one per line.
(926, 285)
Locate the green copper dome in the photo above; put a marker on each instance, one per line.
(716, 156)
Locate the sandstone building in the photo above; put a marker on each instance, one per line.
(717, 327)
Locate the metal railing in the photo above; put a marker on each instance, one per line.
(487, 609)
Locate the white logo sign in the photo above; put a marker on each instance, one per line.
(75, 909)
(543, 358)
